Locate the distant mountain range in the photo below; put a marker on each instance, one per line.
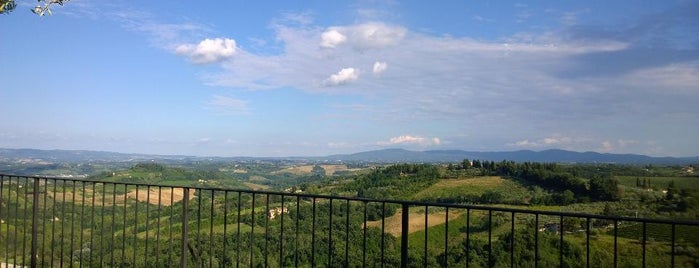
(379, 156)
(554, 155)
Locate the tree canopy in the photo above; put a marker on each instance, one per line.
(43, 6)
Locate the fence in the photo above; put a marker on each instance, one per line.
(52, 222)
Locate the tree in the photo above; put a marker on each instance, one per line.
(565, 198)
(670, 194)
(43, 6)
(465, 164)
(604, 188)
(7, 5)
(318, 171)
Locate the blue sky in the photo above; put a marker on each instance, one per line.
(301, 78)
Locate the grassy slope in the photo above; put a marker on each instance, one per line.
(449, 188)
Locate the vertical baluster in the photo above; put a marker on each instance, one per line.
(313, 235)
(490, 238)
(157, 233)
(92, 221)
(616, 224)
(424, 247)
(266, 230)
(643, 244)
(185, 227)
(364, 236)
(560, 249)
(347, 232)
(468, 236)
(587, 242)
(24, 217)
(281, 235)
(672, 247)
(135, 226)
(123, 236)
(211, 230)
(512, 240)
(330, 235)
(296, 232)
(35, 224)
(111, 231)
(404, 235)
(252, 231)
(44, 229)
(536, 240)
(82, 222)
(103, 211)
(145, 258)
(446, 237)
(224, 257)
(198, 242)
(383, 232)
(237, 253)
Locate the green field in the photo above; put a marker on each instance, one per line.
(512, 191)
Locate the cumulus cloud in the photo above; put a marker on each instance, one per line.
(344, 76)
(379, 67)
(208, 50)
(409, 139)
(227, 105)
(332, 38)
(607, 146)
(376, 35)
(364, 36)
(550, 142)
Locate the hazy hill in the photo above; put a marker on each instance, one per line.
(561, 156)
(381, 156)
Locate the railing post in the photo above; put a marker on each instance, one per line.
(404, 236)
(35, 224)
(185, 223)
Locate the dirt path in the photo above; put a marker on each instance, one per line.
(416, 221)
(168, 196)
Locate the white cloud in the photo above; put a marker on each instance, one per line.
(376, 35)
(680, 76)
(607, 146)
(338, 145)
(345, 75)
(303, 18)
(409, 139)
(626, 143)
(379, 67)
(227, 105)
(554, 141)
(208, 50)
(524, 144)
(332, 38)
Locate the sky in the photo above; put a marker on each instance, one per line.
(313, 78)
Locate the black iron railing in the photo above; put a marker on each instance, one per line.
(52, 222)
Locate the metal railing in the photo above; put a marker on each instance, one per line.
(56, 222)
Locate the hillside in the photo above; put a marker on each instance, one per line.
(554, 155)
(44, 157)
